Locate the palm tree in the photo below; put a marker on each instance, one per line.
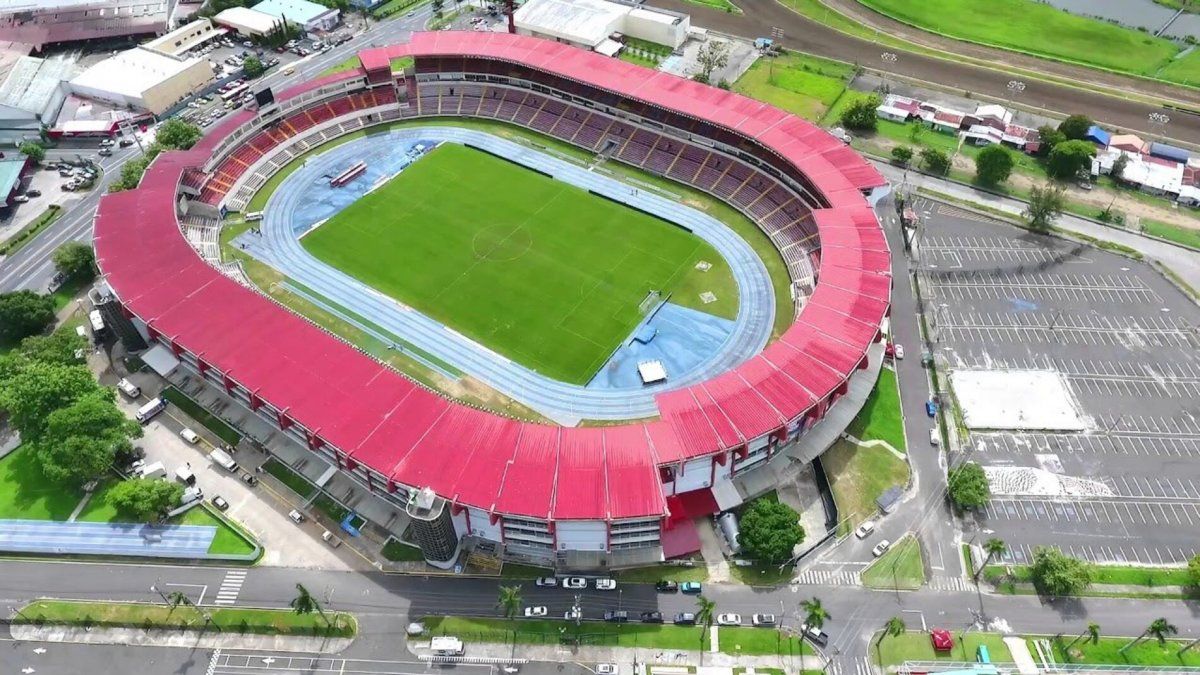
(509, 601)
(177, 598)
(305, 603)
(815, 615)
(994, 548)
(1092, 633)
(1160, 628)
(893, 627)
(705, 612)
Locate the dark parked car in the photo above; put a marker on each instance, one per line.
(666, 586)
(250, 479)
(815, 635)
(685, 619)
(652, 617)
(616, 617)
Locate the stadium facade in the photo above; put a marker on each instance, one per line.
(575, 498)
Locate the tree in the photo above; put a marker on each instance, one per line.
(1056, 574)
(305, 603)
(33, 150)
(992, 547)
(509, 601)
(1069, 159)
(770, 531)
(253, 67)
(1118, 167)
(131, 174)
(437, 7)
(902, 154)
(1048, 137)
(75, 260)
(1194, 570)
(177, 598)
(706, 611)
(1160, 629)
(993, 165)
(145, 499)
(58, 347)
(1075, 127)
(893, 627)
(968, 486)
(37, 389)
(815, 614)
(860, 114)
(713, 55)
(82, 439)
(175, 134)
(935, 161)
(24, 313)
(1045, 206)
(1092, 633)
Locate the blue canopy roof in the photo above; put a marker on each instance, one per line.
(1098, 135)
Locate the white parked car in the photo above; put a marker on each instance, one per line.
(606, 669)
(899, 352)
(573, 614)
(934, 438)
(606, 584)
(880, 548)
(575, 583)
(546, 582)
(189, 435)
(729, 619)
(535, 612)
(865, 529)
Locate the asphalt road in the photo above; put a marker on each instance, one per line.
(815, 38)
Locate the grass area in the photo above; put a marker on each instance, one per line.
(858, 476)
(880, 417)
(26, 494)
(440, 22)
(396, 6)
(350, 63)
(1180, 235)
(656, 573)
(1102, 575)
(196, 412)
(805, 85)
(743, 641)
(26, 234)
(482, 268)
(294, 481)
(1036, 28)
(397, 551)
(723, 5)
(400, 63)
(1107, 651)
(143, 615)
(900, 568)
(327, 505)
(915, 646)
(760, 574)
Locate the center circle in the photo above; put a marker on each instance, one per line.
(501, 243)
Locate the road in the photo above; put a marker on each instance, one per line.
(31, 267)
(815, 38)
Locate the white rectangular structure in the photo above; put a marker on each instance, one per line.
(588, 23)
(247, 22)
(652, 371)
(184, 38)
(1016, 399)
(143, 79)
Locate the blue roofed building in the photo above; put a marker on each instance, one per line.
(11, 169)
(310, 16)
(1098, 136)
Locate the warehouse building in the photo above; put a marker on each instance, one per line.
(247, 22)
(591, 24)
(144, 79)
(310, 16)
(188, 36)
(45, 22)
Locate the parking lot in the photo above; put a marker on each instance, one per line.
(1125, 341)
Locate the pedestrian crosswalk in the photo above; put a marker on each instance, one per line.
(851, 665)
(828, 578)
(231, 585)
(950, 584)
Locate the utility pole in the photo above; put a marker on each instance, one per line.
(776, 41)
(889, 61)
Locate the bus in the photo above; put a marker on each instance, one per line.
(235, 93)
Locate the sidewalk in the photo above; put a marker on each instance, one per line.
(185, 639)
(1183, 262)
(649, 656)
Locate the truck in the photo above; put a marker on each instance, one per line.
(185, 475)
(446, 645)
(153, 470)
(146, 412)
(222, 458)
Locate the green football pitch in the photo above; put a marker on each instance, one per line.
(540, 271)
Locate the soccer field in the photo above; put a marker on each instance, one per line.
(536, 269)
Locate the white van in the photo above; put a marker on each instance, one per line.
(221, 457)
(153, 470)
(185, 475)
(446, 645)
(96, 320)
(129, 389)
(189, 436)
(146, 412)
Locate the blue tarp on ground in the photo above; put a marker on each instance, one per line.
(682, 339)
(132, 539)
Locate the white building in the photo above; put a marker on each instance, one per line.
(590, 23)
(186, 37)
(143, 79)
(310, 16)
(247, 22)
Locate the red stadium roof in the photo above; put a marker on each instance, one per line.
(377, 418)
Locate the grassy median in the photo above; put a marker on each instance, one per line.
(163, 616)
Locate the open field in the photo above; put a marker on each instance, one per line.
(1039, 29)
(798, 83)
(26, 494)
(1107, 651)
(858, 475)
(1175, 233)
(139, 615)
(536, 269)
(915, 646)
(880, 418)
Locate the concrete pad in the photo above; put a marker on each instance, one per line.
(1017, 399)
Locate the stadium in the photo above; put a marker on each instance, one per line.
(479, 253)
